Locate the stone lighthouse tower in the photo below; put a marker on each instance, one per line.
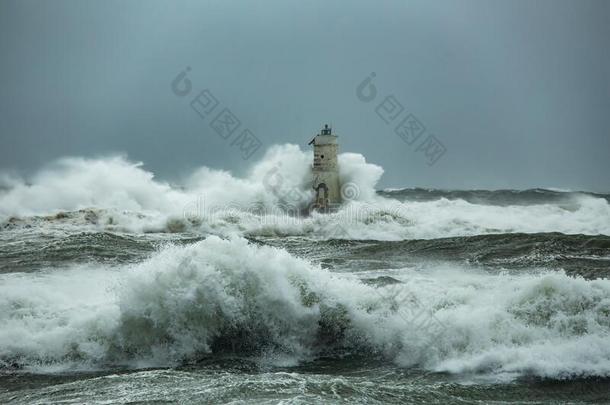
(325, 169)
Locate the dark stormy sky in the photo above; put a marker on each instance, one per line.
(518, 92)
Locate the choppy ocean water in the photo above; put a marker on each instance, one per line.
(115, 287)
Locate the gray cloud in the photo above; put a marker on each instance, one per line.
(517, 91)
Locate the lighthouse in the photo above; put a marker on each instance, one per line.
(325, 170)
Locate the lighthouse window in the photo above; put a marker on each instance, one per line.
(321, 156)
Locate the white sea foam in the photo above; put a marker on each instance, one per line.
(229, 295)
(270, 200)
(53, 320)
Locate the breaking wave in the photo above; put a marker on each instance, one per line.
(72, 184)
(228, 296)
(114, 194)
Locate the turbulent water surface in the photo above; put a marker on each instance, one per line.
(116, 287)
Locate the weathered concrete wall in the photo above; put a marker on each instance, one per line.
(326, 171)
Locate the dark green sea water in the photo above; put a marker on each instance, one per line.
(92, 313)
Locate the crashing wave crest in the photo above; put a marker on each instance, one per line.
(219, 296)
(117, 195)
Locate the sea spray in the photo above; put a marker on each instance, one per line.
(271, 200)
(227, 296)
